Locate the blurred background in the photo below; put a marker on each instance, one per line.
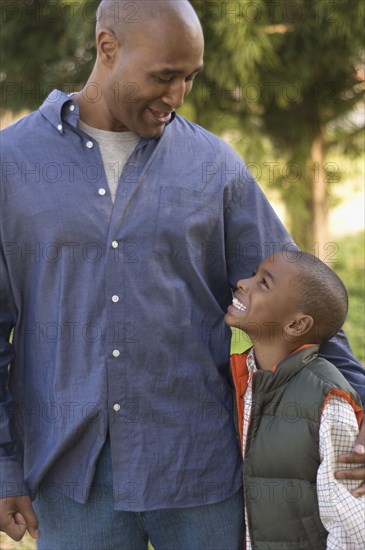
(284, 84)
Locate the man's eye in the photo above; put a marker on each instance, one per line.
(190, 78)
(164, 79)
(264, 283)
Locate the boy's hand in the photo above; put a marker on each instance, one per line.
(357, 457)
(16, 516)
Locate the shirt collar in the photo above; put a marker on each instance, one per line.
(59, 108)
(250, 361)
(53, 109)
(308, 352)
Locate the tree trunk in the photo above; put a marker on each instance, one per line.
(319, 204)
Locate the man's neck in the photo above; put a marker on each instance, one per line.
(99, 117)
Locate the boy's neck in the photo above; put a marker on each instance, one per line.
(269, 354)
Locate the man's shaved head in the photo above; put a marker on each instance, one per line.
(148, 55)
(123, 17)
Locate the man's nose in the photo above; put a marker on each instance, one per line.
(175, 95)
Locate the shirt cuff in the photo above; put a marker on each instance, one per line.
(11, 479)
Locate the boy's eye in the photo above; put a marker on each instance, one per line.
(264, 283)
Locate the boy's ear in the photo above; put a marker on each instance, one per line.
(107, 46)
(300, 326)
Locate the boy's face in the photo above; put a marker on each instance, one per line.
(267, 301)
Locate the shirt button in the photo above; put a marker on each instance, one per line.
(115, 244)
(116, 407)
(72, 107)
(60, 127)
(115, 298)
(101, 191)
(116, 353)
(89, 144)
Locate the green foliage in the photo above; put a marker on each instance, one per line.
(44, 45)
(320, 59)
(350, 267)
(291, 72)
(240, 342)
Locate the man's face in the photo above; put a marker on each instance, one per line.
(151, 76)
(267, 301)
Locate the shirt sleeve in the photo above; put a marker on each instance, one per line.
(253, 231)
(11, 474)
(337, 351)
(341, 513)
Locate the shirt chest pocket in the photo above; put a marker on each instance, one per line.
(188, 223)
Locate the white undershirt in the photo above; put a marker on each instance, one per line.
(115, 149)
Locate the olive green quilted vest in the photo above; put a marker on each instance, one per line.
(282, 452)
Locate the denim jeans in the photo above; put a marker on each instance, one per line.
(67, 525)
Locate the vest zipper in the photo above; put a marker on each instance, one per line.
(248, 526)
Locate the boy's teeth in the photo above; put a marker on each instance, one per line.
(239, 305)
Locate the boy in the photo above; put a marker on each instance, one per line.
(286, 397)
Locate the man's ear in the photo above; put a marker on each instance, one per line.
(107, 46)
(299, 326)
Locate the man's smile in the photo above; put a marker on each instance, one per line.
(160, 116)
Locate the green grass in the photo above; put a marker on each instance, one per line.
(6, 543)
(27, 543)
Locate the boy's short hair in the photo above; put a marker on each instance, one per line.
(323, 295)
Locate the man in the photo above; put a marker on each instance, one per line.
(124, 229)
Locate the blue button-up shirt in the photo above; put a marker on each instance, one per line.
(117, 310)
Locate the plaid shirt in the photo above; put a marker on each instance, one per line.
(342, 514)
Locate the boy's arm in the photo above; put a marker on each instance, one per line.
(338, 351)
(357, 457)
(341, 513)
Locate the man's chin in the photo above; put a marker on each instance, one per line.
(150, 133)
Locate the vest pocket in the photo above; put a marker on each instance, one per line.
(316, 533)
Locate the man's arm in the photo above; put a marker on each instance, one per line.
(338, 352)
(17, 516)
(16, 510)
(11, 477)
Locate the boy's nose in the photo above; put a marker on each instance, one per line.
(242, 284)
